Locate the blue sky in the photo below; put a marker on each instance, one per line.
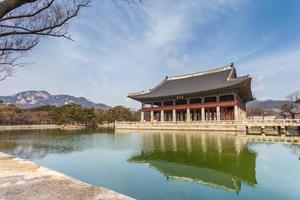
(121, 48)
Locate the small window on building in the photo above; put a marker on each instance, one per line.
(181, 102)
(168, 103)
(156, 104)
(147, 105)
(195, 100)
(210, 99)
(227, 98)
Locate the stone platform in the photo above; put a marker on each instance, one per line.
(242, 127)
(20, 179)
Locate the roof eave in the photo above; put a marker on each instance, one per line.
(196, 93)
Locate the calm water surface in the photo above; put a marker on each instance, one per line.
(166, 165)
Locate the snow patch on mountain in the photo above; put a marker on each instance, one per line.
(32, 99)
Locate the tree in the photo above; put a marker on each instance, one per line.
(24, 22)
(119, 113)
(256, 111)
(87, 116)
(294, 96)
(67, 114)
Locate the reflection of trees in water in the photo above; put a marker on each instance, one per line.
(37, 144)
(216, 160)
(294, 149)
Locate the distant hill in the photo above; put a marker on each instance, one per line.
(32, 99)
(274, 105)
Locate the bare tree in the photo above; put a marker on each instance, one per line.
(24, 22)
(294, 96)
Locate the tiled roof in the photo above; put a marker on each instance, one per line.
(200, 82)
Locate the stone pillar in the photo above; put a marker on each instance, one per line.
(181, 115)
(174, 115)
(241, 114)
(188, 115)
(152, 116)
(202, 114)
(162, 116)
(244, 114)
(218, 113)
(142, 116)
(236, 113)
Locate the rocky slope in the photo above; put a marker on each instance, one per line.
(32, 99)
(273, 105)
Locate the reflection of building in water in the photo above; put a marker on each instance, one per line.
(215, 160)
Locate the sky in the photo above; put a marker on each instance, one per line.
(123, 47)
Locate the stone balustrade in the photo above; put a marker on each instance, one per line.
(280, 125)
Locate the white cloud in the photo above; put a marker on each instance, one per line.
(121, 48)
(276, 74)
(139, 45)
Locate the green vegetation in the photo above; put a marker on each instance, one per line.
(67, 114)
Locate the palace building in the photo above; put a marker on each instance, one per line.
(216, 94)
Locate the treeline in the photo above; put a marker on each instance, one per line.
(67, 114)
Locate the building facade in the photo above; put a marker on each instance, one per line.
(216, 94)
(292, 111)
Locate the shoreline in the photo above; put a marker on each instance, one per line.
(244, 127)
(22, 179)
(52, 127)
(40, 127)
(265, 138)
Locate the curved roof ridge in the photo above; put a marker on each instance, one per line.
(238, 78)
(210, 71)
(148, 91)
(138, 93)
(200, 82)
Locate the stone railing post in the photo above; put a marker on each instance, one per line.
(152, 116)
(218, 113)
(188, 115)
(174, 115)
(142, 116)
(202, 114)
(162, 116)
(236, 113)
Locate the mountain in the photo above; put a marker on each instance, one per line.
(274, 105)
(32, 99)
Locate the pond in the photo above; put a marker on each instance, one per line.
(165, 165)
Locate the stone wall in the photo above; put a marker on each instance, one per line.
(240, 127)
(29, 127)
(41, 127)
(203, 126)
